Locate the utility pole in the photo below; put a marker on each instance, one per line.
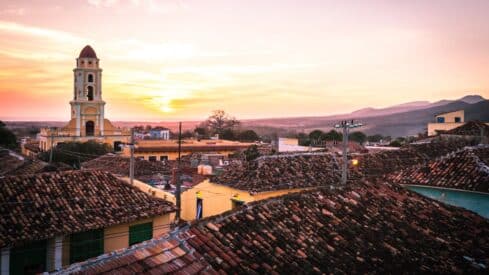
(346, 126)
(178, 191)
(131, 161)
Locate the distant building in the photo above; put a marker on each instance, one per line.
(292, 145)
(446, 121)
(88, 120)
(159, 133)
(163, 150)
(52, 220)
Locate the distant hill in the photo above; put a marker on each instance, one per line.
(399, 120)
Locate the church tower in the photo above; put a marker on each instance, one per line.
(87, 106)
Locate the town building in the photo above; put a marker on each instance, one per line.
(88, 120)
(159, 133)
(163, 150)
(263, 178)
(446, 121)
(373, 228)
(51, 220)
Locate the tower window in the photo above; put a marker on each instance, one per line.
(89, 128)
(90, 78)
(90, 93)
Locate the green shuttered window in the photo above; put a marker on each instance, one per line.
(140, 232)
(28, 259)
(86, 245)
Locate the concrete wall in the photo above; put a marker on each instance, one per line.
(433, 127)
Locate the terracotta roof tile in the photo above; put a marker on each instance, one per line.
(40, 206)
(388, 229)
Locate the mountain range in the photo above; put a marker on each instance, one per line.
(404, 119)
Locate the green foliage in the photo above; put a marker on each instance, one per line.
(332, 136)
(395, 143)
(315, 135)
(227, 134)
(248, 135)
(252, 153)
(7, 137)
(201, 132)
(74, 153)
(358, 136)
(375, 138)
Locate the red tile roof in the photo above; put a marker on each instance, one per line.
(40, 206)
(361, 228)
(115, 164)
(277, 172)
(467, 169)
(471, 128)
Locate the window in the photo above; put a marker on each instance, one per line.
(152, 158)
(163, 158)
(29, 258)
(90, 93)
(90, 78)
(236, 203)
(140, 233)
(200, 209)
(440, 119)
(86, 245)
(117, 146)
(458, 119)
(89, 128)
(140, 158)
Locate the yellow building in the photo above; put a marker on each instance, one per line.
(446, 121)
(263, 178)
(88, 120)
(56, 219)
(159, 150)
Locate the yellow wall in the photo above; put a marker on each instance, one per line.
(433, 127)
(450, 117)
(217, 198)
(117, 237)
(170, 155)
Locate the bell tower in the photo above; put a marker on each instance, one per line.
(87, 106)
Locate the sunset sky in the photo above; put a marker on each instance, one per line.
(171, 60)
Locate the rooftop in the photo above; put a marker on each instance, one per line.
(277, 172)
(87, 52)
(202, 145)
(471, 128)
(41, 206)
(362, 228)
(115, 164)
(466, 169)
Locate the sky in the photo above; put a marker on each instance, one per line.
(174, 60)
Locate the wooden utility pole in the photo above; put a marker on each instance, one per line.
(178, 182)
(131, 161)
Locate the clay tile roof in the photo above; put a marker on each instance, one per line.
(364, 227)
(87, 52)
(40, 206)
(471, 128)
(277, 172)
(466, 169)
(143, 169)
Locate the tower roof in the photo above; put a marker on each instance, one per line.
(87, 52)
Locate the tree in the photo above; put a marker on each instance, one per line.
(395, 143)
(315, 135)
(375, 138)
(7, 137)
(73, 153)
(228, 134)
(252, 153)
(219, 121)
(332, 136)
(201, 132)
(248, 135)
(358, 136)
